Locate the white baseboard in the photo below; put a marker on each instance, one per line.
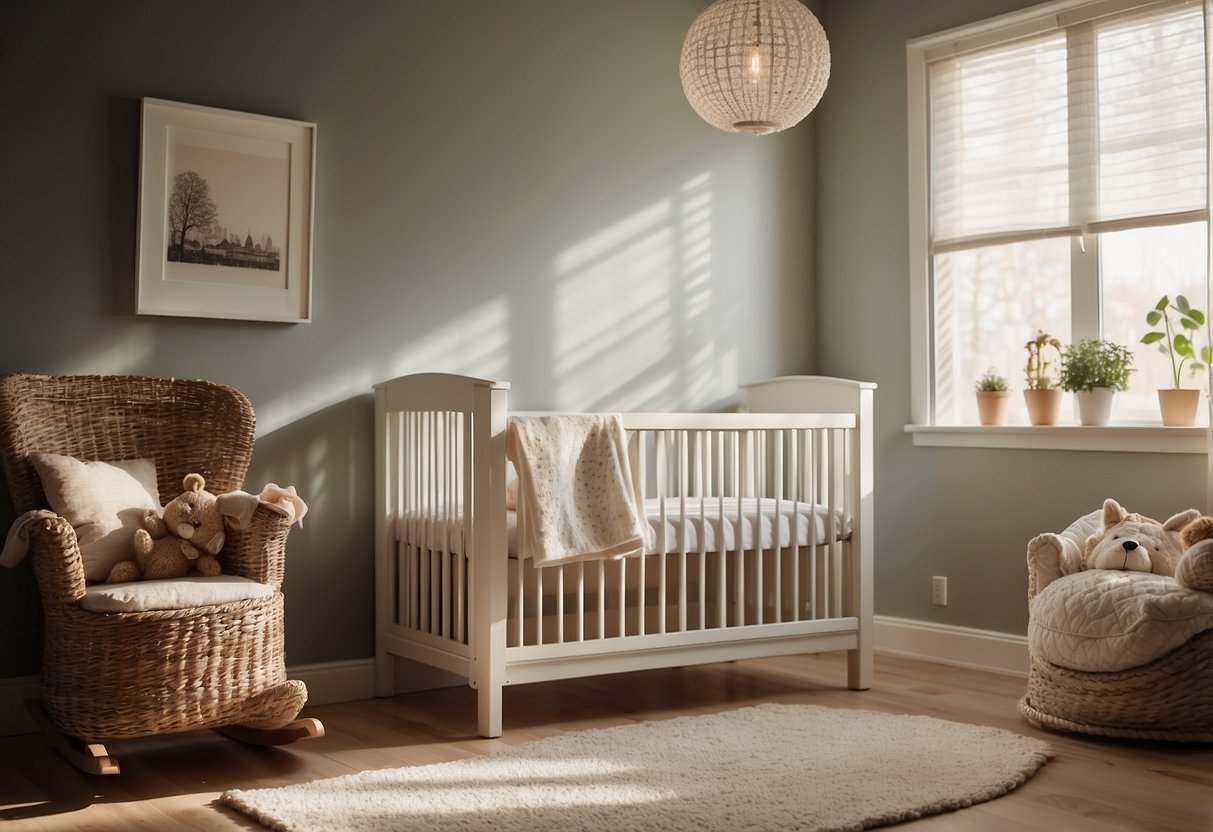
(948, 644)
(344, 681)
(329, 682)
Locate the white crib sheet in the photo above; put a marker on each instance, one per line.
(774, 522)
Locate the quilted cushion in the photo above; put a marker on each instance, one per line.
(172, 594)
(1104, 620)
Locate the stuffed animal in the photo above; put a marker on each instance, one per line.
(1135, 543)
(187, 536)
(1195, 568)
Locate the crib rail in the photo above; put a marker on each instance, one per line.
(702, 469)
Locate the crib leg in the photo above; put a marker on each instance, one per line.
(859, 667)
(488, 711)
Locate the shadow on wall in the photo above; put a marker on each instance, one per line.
(328, 455)
(629, 317)
(638, 322)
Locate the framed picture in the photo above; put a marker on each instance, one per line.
(225, 214)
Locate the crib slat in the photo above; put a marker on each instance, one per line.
(448, 522)
(623, 572)
(432, 540)
(722, 556)
(465, 480)
(581, 601)
(519, 612)
(702, 447)
(835, 531)
(601, 599)
(743, 479)
(414, 511)
(816, 499)
(538, 611)
(419, 525)
(398, 484)
(667, 477)
(794, 480)
(642, 561)
(759, 556)
(682, 516)
(559, 604)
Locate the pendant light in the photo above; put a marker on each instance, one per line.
(754, 66)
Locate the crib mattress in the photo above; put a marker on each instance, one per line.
(711, 525)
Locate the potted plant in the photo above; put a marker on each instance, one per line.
(993, 397)
(1042, 397)
(1180, 322)
(1093, 370)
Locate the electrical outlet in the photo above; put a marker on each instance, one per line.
(939, 591)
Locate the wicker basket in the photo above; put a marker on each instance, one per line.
(1170, 698)
(119, 675)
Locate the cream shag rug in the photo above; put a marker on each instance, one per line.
(769, 767)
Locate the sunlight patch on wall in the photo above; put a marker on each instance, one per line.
(612, 307)
(475, 344)
(636, 323)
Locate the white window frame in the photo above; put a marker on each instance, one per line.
(1084, 276)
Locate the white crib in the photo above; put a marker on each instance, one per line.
(761, 542)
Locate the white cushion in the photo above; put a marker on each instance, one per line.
(172, 594)
(104, 502)
(1105, 620)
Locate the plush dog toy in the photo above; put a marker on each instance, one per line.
(187, 536)
(1135, 543)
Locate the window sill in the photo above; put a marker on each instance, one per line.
(1116, 438)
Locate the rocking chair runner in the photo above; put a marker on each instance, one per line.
(109, 676)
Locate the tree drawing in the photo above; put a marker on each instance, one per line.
(190, 209)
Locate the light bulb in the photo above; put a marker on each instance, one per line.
(755, 69)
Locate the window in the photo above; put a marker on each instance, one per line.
(1058, 182)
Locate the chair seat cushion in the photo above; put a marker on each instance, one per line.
(1106, 620)
(172, 594)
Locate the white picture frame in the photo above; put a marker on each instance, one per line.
(225, 214)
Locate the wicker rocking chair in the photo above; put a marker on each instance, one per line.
(117, 675)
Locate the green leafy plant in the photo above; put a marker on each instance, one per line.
(992, 382)
(1180, 323)
(1093, 362)
(1036, 371)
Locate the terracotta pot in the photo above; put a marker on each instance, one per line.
(1178, 406)
(1043, 405)
(1095, 405)
(992, 406)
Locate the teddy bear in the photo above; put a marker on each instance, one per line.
(1195, 568)
(1134, 543)
(188, 535)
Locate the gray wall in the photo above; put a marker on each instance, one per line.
(515, 190)
(964, 513)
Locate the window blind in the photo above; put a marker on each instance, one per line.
(1094, 126)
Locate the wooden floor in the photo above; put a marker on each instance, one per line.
(173, 783)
